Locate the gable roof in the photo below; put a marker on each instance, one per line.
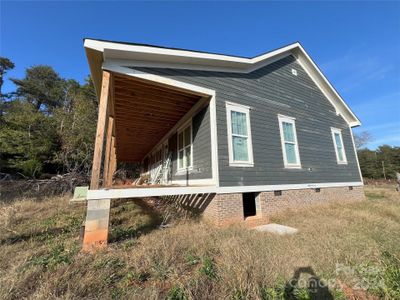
(143, 55)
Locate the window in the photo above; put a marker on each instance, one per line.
(185, 148)
(290, 148)
(339, 148)
(239, 135)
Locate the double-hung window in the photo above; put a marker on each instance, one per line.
(185, 148)
(239, 135)
(339, 148)
(290, 147)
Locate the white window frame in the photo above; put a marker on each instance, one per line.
(180, 130)
(246, 110)
(339, 131)
(291, 120)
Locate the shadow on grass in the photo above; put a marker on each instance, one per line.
(120, 233)
(38, 235)
(314, 287)
(44, 234)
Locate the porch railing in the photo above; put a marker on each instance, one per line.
(161, 173)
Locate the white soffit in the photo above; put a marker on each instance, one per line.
(120, 54)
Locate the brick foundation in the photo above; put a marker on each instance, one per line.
(225, 209)
(221, 209)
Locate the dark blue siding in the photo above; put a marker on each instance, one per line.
(270, 91)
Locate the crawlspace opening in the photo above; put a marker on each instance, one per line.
(249, 204)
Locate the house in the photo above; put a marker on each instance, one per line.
(235, 138)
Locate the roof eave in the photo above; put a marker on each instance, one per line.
(98, 51)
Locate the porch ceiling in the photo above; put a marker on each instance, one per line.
(145, 113)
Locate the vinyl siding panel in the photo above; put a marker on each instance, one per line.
(270, 91)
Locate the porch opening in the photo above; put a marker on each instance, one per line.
(249, 204)
(138, 133)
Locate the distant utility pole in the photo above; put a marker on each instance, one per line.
(383, 169)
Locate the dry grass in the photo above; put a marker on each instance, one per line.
(40, 255)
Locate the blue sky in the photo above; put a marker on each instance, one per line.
(356, 44)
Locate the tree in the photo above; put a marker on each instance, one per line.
(5, 65)
(362, 139)
(49, 126)
(28, 139)
(77, 130)
(383, 162)
(42, 87)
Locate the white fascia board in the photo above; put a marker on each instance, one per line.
(102, 45)
(169, 191)
(173, 58)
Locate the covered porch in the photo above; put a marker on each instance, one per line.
(136, 120)
(139, 119)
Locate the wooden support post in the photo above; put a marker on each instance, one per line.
(113, 163)
(101, 122)
(107, 155)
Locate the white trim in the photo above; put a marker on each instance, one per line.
(356, 154)
(179, 131)
(168, 191)
(290, 120)
(339, 131)
(142, 55)
(191, 88)
(190, 66)
(113, 50)
(239, 106)
(246, 110)
(214, 139)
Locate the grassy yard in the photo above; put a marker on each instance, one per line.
(342, 250)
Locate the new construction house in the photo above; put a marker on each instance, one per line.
(235, 138)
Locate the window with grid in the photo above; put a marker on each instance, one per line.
(339, 148)
(290, 149)
(185, 148)
(239, 135)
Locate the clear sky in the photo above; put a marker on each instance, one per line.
(356, 44)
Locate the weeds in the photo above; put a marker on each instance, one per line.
(57, 255)
(391, 275)
(176, 293)
(40, 258)
(208, 268)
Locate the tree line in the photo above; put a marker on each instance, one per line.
(48, 125)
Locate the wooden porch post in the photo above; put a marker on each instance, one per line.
(113, 163)
(98, 211)
(107, 156)
(101, 122)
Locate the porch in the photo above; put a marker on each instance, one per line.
(147, 121)
(138, 123)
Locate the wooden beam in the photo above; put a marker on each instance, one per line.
(136, 92)
(113, 164)
(101, 123)
(107, 156)
(153, 85)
